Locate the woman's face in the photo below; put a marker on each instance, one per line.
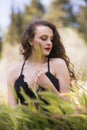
(43, 40)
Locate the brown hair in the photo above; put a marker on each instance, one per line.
(58, 50)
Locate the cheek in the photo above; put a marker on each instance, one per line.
(42, 46)
(35, 44)
(38, 46)
(51, 46)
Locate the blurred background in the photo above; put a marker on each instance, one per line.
(70, 17)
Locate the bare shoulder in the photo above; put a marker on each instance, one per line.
(58, 62)
(14, 71)
(15, 68)
(59, 66)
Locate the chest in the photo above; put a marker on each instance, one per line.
(30, 74)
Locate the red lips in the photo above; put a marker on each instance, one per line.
(47, 48)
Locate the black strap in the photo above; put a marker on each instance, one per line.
(22, 67)
(48, 65)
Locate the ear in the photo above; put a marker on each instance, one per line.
(30, 42)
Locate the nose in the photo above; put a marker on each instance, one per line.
(49, 42)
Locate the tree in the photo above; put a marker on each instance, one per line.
(35, 10)
(15, 27)
(82, 20)
(58, 12)
(20, 19)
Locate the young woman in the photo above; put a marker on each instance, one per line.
(45, 63)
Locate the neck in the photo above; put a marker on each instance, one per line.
(37, 59)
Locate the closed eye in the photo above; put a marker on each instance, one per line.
(44, 38)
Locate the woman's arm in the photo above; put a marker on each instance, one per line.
(62, 74)
(10, 86)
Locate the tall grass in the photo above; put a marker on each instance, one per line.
(56, 115)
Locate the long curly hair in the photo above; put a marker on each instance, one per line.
(58, 50)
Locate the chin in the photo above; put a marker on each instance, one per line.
(46, 53)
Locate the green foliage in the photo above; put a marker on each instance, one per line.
(56, 115)
(19, 20)
(58, 12)
(81, 20)
(15, 27)
(35, 10)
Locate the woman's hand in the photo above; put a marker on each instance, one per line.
(42, 80)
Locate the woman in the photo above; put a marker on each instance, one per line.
(45, 63)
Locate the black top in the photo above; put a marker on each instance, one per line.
(20, 83)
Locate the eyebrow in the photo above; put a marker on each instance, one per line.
(46, 35)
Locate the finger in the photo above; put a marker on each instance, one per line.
(38, 73)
